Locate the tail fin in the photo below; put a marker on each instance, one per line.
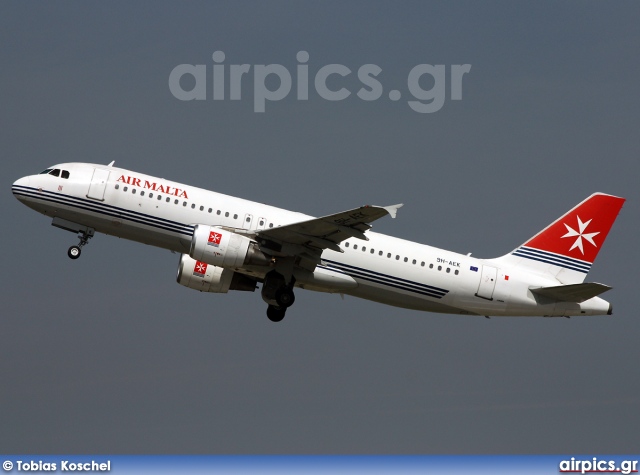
(568, 246)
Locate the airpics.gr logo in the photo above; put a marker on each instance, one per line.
(595, 465)
(230, 78)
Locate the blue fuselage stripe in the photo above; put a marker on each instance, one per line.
(553, 259)
(386, 279)
(104, 209)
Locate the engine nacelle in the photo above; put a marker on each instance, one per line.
(205, 277)
(225, 249)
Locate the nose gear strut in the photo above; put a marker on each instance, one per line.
(84, 236)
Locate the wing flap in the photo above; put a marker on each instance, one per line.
(573, 292)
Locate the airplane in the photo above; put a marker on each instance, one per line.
(227, 243)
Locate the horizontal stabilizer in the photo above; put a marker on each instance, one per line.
(572, 293)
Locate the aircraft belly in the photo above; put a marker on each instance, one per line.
(324, 280)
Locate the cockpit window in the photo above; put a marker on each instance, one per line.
(56, 172)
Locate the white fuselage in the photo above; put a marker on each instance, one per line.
(389, 270)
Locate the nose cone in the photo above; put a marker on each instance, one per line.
(19, 187)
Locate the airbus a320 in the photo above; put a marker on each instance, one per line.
(227, 243)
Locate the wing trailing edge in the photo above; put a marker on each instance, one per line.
(328, 232)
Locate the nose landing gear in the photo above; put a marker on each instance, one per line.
(84, 236)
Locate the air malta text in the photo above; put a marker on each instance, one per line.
(166, 189)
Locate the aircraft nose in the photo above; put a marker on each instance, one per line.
(19, 185)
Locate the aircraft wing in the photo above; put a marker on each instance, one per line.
(328, 231)
(573, 292)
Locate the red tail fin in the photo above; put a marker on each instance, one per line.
(568, 246)
(580, 233)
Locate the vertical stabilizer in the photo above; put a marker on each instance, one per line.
(567, 247)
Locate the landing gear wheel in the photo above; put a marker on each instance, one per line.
(275, 314)
(74, 252)
(84, 235)
(285, 297)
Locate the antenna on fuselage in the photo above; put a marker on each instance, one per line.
(111, 164)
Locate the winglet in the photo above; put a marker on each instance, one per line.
(393, 209)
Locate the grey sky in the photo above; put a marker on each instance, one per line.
(108, 354)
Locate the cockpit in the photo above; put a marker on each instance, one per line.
(55, 172)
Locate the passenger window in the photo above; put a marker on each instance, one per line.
(142, 193)
(261, 223)
(448, 270)
(380, 253)
(372, 251)
(346, 244)
(176, 202)
(218, 212)
(210, 210)
(168, 199)
(235, 216)
(159, 197)
(150, 195)
(355, 246)
(406, 259)
(125, 189)
(248, 220)
(226, 215)
(193, 206)
(201, 208)
(430, 266)
(133, 191)
(414, 261)
(389, 255)
(117, 186)
(364, 248)
(439, 267)
(456, 272)
(65, 174)
(422, 263)
(184, 203)
(270, 225)
(397, 258)
(55, 172)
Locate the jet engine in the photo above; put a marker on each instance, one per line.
(225, 249)
(209, 278)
